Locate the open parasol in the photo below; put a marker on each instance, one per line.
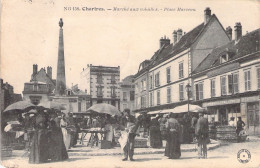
(105, 109)
(19, 106)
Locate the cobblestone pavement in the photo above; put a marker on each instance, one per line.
(224, 156)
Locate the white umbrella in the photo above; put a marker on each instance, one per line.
(184, 108)
(105, 109)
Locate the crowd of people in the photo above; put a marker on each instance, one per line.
(50, 134)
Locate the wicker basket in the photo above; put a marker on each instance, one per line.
(7, 151)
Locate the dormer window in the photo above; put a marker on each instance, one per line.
(226, 56)
(223, 58)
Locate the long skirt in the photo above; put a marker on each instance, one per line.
(155, 137)
(38, 152)
(173, 149)
(57, 149)
(66, 138)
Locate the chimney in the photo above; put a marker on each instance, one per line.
(179, 34)
(35, 69)
(174, 37)
(164, 41)
(229, 32)
(238, 31)
(49, 71)
(207, 14)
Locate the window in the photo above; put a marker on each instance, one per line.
(113, 92)
(151, 82)
(99, 78)
(99, 91)
(247, 80)
(213, 87)
(144, 84)
(151, 99)
(132, 95)
(143, 102)
(223, 85)
(168, 74)
(230, 84)
(124, 96)
(124, 106)
(199, 91)
(113, 79)
(235, 83)
(181, 70)
(181, 92)
(223, 58)
(258, 78)
(158, 97)
(157, 79)
(168, 94)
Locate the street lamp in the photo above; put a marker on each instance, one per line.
(188, 87)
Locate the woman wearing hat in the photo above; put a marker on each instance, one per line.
(173, 145)
(155, 133)
(57, 149)
(38, 152)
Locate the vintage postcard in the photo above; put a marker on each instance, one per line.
(130, 84)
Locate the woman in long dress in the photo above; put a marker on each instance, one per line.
(57, 149)
(173, 150)
(65, 133)
(38, 152)
(155, 134)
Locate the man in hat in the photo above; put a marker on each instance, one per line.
(201, 131)
(131, 128)
(240, 125)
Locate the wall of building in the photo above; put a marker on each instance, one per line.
(173, 64)
(214, 35)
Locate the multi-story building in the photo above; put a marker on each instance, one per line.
(40, 87)
(102, 83)
(7, 95)
(227, 81)
(127, 93)
(160, 82)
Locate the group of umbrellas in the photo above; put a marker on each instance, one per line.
(25, 106)
(101, 108)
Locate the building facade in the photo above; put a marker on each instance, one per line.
(7, 95)
(127, 93)
(102, 84)
(40, 87)
(227, 82)
(161, 81)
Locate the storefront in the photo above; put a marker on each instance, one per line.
(245, 107)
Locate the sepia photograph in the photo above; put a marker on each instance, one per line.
(129, 84)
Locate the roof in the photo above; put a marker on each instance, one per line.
(34, 76)
(168, 51)
(128, 80)
(248, 44)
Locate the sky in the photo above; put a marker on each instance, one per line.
(29, 32)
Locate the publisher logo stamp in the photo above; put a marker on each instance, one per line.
(243, 156)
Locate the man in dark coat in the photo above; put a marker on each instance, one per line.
(240, 127)
(201, 131)
(131, 128)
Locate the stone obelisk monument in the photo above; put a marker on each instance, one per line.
(61, 79)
